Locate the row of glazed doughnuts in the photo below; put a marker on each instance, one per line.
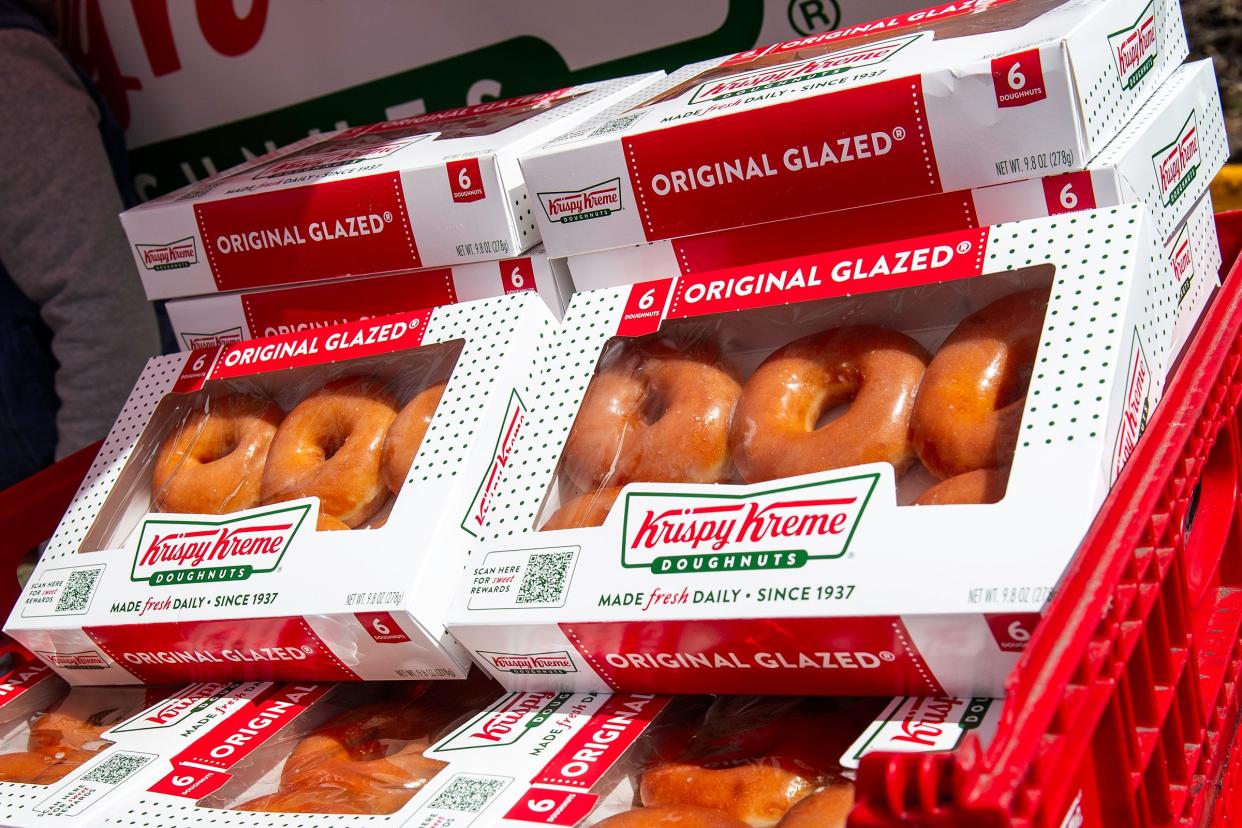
(349, 443)
(653, 413)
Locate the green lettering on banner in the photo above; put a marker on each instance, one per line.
(729, 562)
(215, 574)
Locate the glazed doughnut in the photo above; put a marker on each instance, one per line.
(329, 447)
(380, 785)
(33, 768)
(68, 735)
(969, 407)
(875, 370)
(212, 462)
(978, 486)
(590, 509)
(829, 808)
(757, 793)
(653, 414)
(327, 523)
(352, 736)
(348, 766)
(680, 816)
(406, 435)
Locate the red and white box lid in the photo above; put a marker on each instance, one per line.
(1164, 157)
(425, 191)
(948, 98)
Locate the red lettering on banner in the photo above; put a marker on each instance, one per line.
(927, 260)
(1068, 192)
(1018, 79)
(548, 806)
(855, 656)
(242, 649)
(779, 162)
(593, 750)
(289, 310)
(351, 340)
(804, 236)
(644, 309)
(302, 234)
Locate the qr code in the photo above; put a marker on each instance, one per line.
(116, 768)
(467, 794)
(76, 595)
(617, 124)
(545, 577)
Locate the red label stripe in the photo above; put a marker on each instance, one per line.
(928, 260)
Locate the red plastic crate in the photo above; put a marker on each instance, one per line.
(1123, 709)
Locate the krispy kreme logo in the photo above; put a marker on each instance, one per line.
(912, 724)
(511, 427)
(598, 200)
(174, 711)
(181, 253)
(511, 718)
(1181, 259)
(1134, 48)
(552, 663)
(1177, 163)
(1134, 413)
(194, 341)
(788, 74)
(174, 551)
(675, 532)
(85, 660)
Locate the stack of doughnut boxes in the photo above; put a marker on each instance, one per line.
(866, 325)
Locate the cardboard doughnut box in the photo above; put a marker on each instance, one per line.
(1164, 157)
(833, 581)
(425, 191)
(255, 512)
(470, 755)
(68, 755)
(947, 98)
(223, 318)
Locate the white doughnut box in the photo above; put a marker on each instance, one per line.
(124, 594)
(568, 759)
(947, 98)
(429, 190)
(1164, 157)
(222, 318)
(124, 756)
(830, 583)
